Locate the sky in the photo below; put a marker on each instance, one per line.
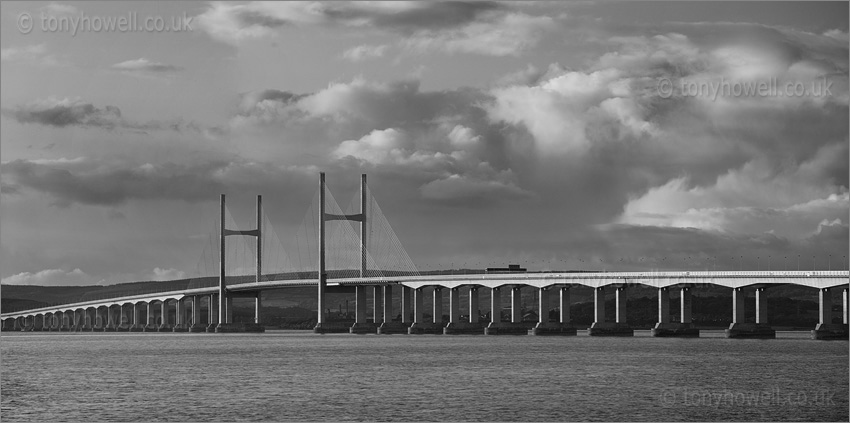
(584, 135)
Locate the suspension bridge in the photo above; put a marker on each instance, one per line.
(355, 249)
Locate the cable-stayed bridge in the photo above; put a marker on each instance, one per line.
(355, 249)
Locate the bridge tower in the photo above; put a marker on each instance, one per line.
(321, 323)
(225, 302)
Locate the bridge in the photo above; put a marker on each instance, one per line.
(213, 303)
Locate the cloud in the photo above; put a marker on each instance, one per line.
(145, 66)
(68, 112)
(755, 198)
(50, 277)
(86, 181)
(482, 191)
(479, 27)
(508, 35)
(167, 274)
(365, 51)
(36, 54)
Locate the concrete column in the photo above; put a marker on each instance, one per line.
(825, 309)
(196, 310)
(213, 316)
(761, 306)
(258, 307)
(178, 312)
(136, 314)
(564, 304)
(406, 311)
(164, 313)
(149, 315)
(685, 305)
(438, 305)
(738, 296)
(663, 305)
(418, 305)
(376, 304)
(229, 308)
(495, 305)
(599, 305)
(543, 305)
(516, 304)
(473, 304)
(844, 311)
(622, 297)
(97, 318)
(388, 303)
(360, 304)
(454, 305)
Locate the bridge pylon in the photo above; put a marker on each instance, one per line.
(321, 321)
(225, 299)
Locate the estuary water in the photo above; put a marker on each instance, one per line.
(281, 376)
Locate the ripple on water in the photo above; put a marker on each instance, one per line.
(300, 376)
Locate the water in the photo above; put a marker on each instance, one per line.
(281, 376)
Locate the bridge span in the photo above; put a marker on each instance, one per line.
(124, 312)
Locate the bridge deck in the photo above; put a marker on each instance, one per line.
(729, 279)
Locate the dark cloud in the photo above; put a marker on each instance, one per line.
(84, 181)
(62, 113)
(406, 20)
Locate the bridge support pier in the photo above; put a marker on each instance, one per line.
(361, 326)
(137, 325)
(739, 327)
(110, 320)
(683, 329)
(390, 326)
(419, 327)
(406, 308)
(617, 328)
(456, 325)
(544, 326)
(515, 326)
(826, 330)
(165, 325)
(88, 320)
(150, 317)
(180, 323)
(196, 325)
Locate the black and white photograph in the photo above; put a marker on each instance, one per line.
(424, 211)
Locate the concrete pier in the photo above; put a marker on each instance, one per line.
(617, 328)
(739, 327)
(180, 324)
(196, 325)
(164, 326)
(684, 328)
(456, 326)
(389, 327)
(826, 330)
(544, 326)
(361, 326)
(419, 326)
(515, 326)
